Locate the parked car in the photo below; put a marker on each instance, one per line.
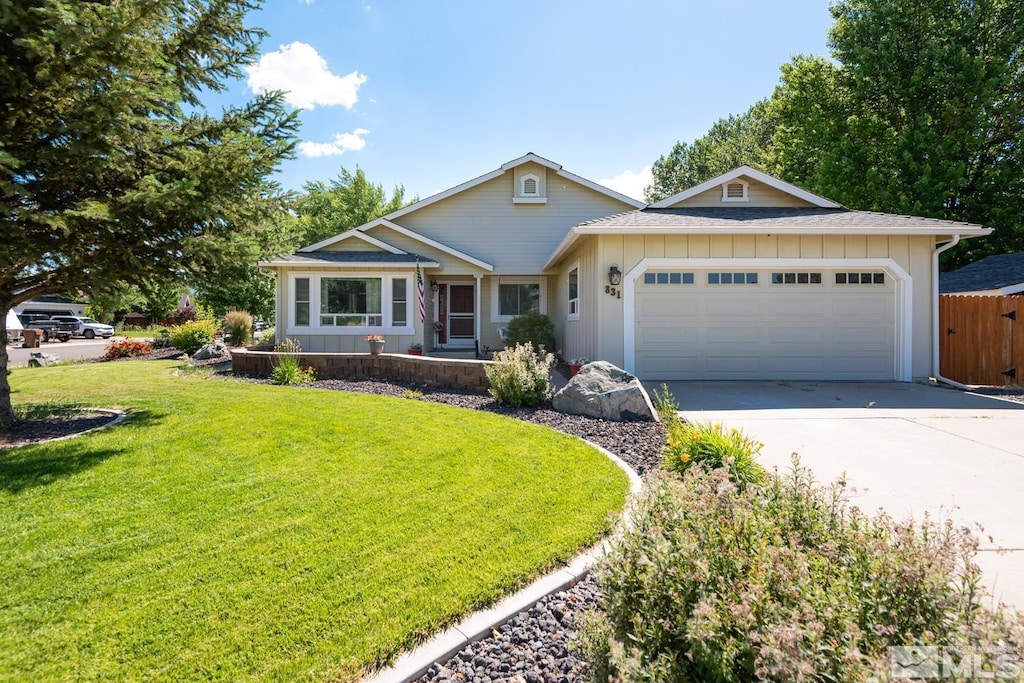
(51, 329)
(86, 327)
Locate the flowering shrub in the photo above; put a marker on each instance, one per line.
(374, 337)
(125, 348)
(713, 446)
(520, 377)
(716, 582)
(193, 335)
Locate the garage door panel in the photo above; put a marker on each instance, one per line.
(731, 334)
(766, 331)
(654, 335)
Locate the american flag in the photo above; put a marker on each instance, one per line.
(419, 290)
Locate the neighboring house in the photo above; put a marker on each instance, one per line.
(51, 305)
(1000, 275)
(741, 277)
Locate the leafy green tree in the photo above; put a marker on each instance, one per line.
(111, 169)
(350, 200)
(731, 142)
(918, 112)
(242, 287)
(121, 298)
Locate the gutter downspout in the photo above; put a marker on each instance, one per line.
(935, 308)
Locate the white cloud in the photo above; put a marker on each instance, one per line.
(303, 74)
(342, 142)
(629, 183)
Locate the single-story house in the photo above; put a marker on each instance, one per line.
(999, 275)
(744, 276)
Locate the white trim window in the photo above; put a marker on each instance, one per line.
(514, 296)
(349, 303)
(573, 292)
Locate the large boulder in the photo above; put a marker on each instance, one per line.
(213, 350)
(602, 390)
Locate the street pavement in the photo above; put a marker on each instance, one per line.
(69, 350)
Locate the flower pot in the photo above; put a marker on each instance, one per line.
(574, 368)
(415, 352)
(376, 347)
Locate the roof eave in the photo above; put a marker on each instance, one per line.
(284, 263)
(761, 230)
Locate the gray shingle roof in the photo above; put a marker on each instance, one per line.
(733, 217)
(991, 272)
(341, 257)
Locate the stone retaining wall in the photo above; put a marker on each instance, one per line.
(451, 373)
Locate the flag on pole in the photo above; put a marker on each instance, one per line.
(419, 291)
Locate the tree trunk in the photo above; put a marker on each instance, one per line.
(6, 409)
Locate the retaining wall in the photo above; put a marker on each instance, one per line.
(451, 373)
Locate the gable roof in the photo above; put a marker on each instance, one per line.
(351, 258)
(1000, 274)
(384, 222)
(501, 170)
(740, 220)
(753, 173)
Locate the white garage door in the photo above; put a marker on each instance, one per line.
(778, 324)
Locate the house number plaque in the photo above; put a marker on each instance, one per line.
(614, 292)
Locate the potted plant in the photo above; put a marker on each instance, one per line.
(376, 342)
(416, 349)
(575, 364)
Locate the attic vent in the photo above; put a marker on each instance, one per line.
(530, 186)
(735, 191)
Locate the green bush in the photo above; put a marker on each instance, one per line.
(268, 336)
(287, 368)
(519, 376)
(710, 445)
(193, 335)
(532, 328)
(238, 327)
(785, 581)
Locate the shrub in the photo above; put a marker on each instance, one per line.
(125, 348)
(238, 327)
(712, 446)
(268, 336)
(163, 340)
(287, 369)
(519, 376)
(713, 582)
(532, 328)
(193, 335)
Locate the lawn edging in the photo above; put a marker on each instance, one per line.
(478, 625)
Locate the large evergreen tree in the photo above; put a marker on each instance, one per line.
(111, 170)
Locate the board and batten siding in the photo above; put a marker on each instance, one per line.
(580, 337)
(758, 194)
(912, 253)
(515, 238)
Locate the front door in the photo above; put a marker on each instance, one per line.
(461, 318)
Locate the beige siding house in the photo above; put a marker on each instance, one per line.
(480, 247)
(741, 277)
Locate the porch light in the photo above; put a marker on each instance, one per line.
(433, 286)
(615, 275)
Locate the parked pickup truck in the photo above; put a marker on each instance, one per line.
(51, 329)
(81, 326)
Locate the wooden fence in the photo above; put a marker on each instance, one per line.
(981, 339)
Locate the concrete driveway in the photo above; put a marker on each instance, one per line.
(907, 448)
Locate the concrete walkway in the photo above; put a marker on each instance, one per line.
(907, 448)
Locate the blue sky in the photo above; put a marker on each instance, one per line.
(429, 94)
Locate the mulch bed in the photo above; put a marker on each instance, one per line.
(26, 432)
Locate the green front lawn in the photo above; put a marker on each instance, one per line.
(234, 531)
